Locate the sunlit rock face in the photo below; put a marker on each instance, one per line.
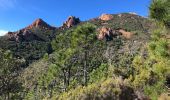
(106, 17)
(71, 21)
(106, 33)
(127, 35)
(26, 34)
(39, 23)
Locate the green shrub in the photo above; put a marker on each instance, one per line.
(155, 90)
(99, 73)
(110, 89)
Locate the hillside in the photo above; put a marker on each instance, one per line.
(32, 42)
(119, 48)
(114, 56)
(111, 57)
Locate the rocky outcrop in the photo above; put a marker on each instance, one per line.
(15, 36)
(39, 23)
(71, 21)
(11, 36)
(109, 34)
(127, 35)
(26, 34)
(23, 35)
(106, 33)
(106, 17)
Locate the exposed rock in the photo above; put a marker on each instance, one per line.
(41, 24)
(25, 34)
(71, 21)
(164, 96)
(106, 17)
(127, 35)
(107, 33)
(11, 36)
(15, 36)
(120, 15)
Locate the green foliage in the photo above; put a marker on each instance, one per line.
(9, 70)
(160, 10)
(97, 74)
(70, 49)
(29, 96)
(156, 35)
(155, 90)
(46, 56)
(159, 48)
(80, 59)
(108, 89)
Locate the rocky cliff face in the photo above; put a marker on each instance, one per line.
(26, 34)
(39, 23)
(71, 21)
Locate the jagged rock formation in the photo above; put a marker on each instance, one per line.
(22, 35)
(26, 34)
(106, 17)
(39, 23)
(71, 21)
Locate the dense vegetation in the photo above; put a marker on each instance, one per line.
(72, 64)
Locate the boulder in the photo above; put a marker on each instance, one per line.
(127, 35)
(107, 33)
(106, 17)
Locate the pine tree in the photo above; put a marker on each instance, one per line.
(9, 71)
(84, 36)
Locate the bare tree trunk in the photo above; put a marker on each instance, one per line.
(85, 69)
(68, 76)
(65, 80)
(8, 96)
(85, 62)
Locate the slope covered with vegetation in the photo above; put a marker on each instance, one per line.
(130, 61)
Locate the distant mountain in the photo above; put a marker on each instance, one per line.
(27, 34)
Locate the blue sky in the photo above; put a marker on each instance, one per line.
(16, 14)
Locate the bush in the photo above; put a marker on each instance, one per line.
(159, 10)
(110, 89)
(99, 73)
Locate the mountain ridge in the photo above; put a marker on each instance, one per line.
(41, 32)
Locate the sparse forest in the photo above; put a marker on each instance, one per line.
(124, 58)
